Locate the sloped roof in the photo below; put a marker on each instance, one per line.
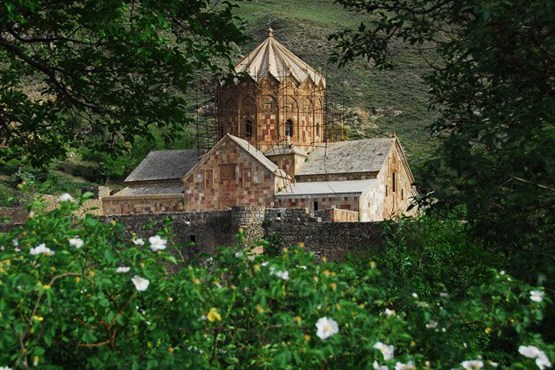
(258, 155)
(271, 57)
(366, 155)
(164, 165)
(326, 187)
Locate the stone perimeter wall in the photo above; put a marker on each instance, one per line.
(204, 232)
(210, 230)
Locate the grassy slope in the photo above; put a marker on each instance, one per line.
(303, 26)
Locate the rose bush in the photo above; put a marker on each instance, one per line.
(94, 296)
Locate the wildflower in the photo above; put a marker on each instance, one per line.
(389, 312)
(408, 366)
(534, 352)
(157, 243)
(379, 367)
(76, 242)
(431, 325)
(415, 295)
(444, 295)
(139, 242)
(281, 274)
(213, 315)
(5, 368)
(471, 365)
(301, 267)
(264, 263)
(41, 249)
(259, 309)
(140, 283)
(37, 318)
(333, 286)
(15, 242)
(65, 197)
(387, 351)
(536, 295)
(298, 319)
(373, 264)
(238, 254)
(122, 269)
(203, 318)
(326, 328)
(36, 360)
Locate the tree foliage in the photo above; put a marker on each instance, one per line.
(493, 84)
(81, 293)
(107, 68)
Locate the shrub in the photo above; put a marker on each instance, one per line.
(79, 293)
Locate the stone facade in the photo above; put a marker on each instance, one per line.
(229, 176)
(313, 203)
(281, 99)
(269, 113)
(145, 204)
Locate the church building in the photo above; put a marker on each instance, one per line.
(274, 151)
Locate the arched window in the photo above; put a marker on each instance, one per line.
(248, 128)
(289, 128)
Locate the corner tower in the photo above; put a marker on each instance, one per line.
(279, 99)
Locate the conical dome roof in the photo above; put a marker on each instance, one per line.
(274, 58)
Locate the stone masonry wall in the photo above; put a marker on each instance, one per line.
(335, 240)
(209, 230)
(230, 177)
(201, 233)
(159, 203)
(329, 201)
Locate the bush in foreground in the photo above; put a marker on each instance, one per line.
(79, 293)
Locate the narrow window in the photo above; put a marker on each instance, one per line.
(317, 128)
(248, 128)
(315, 205)
(402, 195)
(289, 128)
(208, 179)
(394, 182)
(386, 190)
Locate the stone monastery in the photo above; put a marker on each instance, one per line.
(273, 152)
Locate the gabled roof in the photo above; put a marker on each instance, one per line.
(271, 57)
(164, 165)
(250, 149)
(326, 188)
(258, 155)
(366, 155)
